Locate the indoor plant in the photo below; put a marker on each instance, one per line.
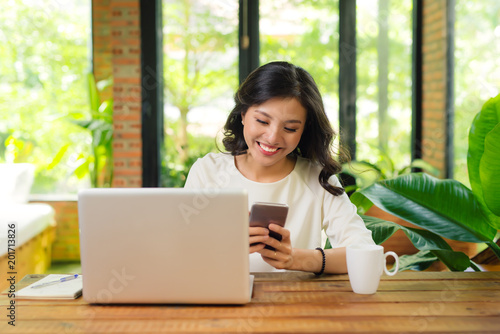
(445, 208)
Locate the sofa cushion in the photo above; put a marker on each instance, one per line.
(29, 219)
(16, 180)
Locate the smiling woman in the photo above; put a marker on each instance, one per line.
(280, 144)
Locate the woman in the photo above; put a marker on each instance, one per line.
(280, 142)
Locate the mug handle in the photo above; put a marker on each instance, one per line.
(396, 263)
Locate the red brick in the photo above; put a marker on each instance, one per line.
(127, 172)
(127, 154)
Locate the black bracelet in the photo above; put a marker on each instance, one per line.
(324, 262)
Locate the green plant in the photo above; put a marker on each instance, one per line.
(445, 208)
(483, 161)
(174, 170)
(99, 163)
(42, 73)
(367, 173)
(15, 149)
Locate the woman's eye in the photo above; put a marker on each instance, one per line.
(290, 130)
(261, 121)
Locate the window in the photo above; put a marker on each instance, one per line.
(383, 106)
(200, 64)
(477, 69)
(304, 33)
(44, 52)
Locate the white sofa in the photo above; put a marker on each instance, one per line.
(34, 223)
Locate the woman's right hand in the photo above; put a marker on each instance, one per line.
(257, 238)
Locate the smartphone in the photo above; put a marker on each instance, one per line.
(264, 213)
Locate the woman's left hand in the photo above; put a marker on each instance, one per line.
(281, 257)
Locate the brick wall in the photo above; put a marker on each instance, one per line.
(116, 54)
(66, 245)
(116, 38)
(102, 58)
(434, 84)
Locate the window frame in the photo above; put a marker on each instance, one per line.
(152, 72)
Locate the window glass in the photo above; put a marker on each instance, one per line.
(383, 106)
(201, 75)
(477, 70)
(44, 52)
(305, 33)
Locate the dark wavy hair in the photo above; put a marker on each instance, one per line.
(285, 80)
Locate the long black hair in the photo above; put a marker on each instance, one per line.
(285, 80)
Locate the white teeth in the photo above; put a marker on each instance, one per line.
(267, 148)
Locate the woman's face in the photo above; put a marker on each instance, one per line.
(273, 129)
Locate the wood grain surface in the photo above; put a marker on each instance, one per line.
(410, 302)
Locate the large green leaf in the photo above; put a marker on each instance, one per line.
(381, 229)
(445, 207)
(456, 261)
(483, 171)
(60, 154)
(418, 261)
(423, 240)
(362, 202)
(489, 171)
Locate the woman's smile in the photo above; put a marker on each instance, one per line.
(268, 150)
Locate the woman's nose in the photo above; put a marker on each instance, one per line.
(273, 135)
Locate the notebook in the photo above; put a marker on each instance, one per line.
(164, 245)
(53, 286)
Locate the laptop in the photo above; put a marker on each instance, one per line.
(164, 245)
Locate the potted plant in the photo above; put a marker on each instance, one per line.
(444, 208)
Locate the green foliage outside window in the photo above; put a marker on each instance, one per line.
(44, 52)
(200, 62)
(477, 70)
(305, 33)
(45, 58)
(98, 163)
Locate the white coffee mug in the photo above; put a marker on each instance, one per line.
(365, 265)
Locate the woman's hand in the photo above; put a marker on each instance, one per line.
(281, 257)
(258, 236)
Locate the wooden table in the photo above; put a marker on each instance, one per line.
(410, 302)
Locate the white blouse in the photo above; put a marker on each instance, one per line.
(312, 209)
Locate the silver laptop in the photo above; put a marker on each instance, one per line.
(164, 245)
